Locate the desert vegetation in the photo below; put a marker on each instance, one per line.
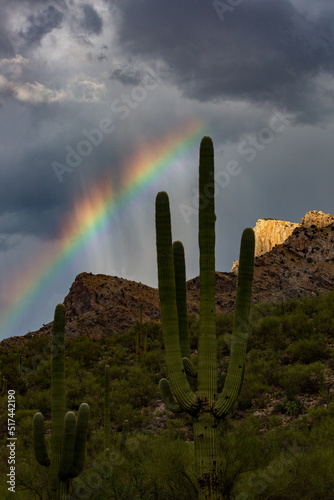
(277, 439)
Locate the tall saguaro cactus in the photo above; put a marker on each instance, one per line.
(206, 406)
(68, 432)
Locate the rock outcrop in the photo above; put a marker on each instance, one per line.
(271, 232)
(317, 219)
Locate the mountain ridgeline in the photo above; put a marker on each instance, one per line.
(292, 260)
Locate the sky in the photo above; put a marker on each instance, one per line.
(103, 104)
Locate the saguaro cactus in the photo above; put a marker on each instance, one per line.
(3, 382)
(107, 433)
(107, 410)
(68, 433)
(124, 435)
(141, 340)
(206, 406)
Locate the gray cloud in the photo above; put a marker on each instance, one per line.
(263, 50)
(39, 24)
(129, 75)
(92, 22)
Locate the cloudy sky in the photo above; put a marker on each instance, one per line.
(90, 91)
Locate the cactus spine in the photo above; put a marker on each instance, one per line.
(68, 432)
(206, 406)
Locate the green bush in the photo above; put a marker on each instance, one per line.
(84, 350)
(301, 379)
(309, 350)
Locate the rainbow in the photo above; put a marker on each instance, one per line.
(90, 215)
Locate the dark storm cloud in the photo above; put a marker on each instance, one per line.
(260, 50)
(92, 22)
(128, 75)
(40, 23)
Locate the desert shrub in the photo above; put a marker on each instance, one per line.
(116, 371)
(224, 324)
(298, 325)
(310, 477)
(223, 345)
(119, 353)
(178, 426)
(293, 407)
(266, 367)
(274, 421)
(167, 466)
(309, 350)
(152, 361)
(289, 306)
(40, 400)
(84, 350)
(142, 389)
(252, 388)
(268, 332)
(316, 415)
(301, 379)
(193, 325)
(125, 411)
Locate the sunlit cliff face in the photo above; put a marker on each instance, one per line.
(272, 232)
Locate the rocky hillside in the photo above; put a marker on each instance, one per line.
(303, 264)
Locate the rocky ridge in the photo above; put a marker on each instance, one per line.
(303, 264)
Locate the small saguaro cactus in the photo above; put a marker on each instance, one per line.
(124, 435)
(107, 416)
(206, 406)
(3, 382)
(3, 386)
(107, 409)
(141, 340)
(68, 432)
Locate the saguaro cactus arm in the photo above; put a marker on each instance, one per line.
(189, 367)
(107, 407)
(181, 297)
(39, 442)
(235, 370)
(168, 398)
(167, 292)
(79, 451)
(66, 458)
